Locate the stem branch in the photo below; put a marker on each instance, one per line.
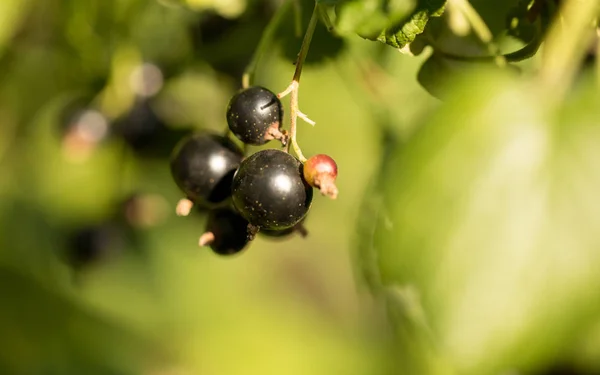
(292, 89)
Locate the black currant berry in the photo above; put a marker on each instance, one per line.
(226, 232)
(145, 132)
(283, 233)
(254, 116)
(89, 245)
(269, 190)
(203, 166)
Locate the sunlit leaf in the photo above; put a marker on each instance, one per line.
(401, 34)
(490, 215)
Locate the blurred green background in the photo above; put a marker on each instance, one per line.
(465, 239)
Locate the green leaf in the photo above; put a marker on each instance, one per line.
(438, 72)
(490, 215)
(330, 2)
(520, 20)
(46, 332)
(12, 13)
(402, 34)
(368, 18)
(393, 22)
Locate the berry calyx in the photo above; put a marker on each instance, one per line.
(184, 207)
(254, 116)
(226, 232)
(321, 171)
(203, 165)
(269, 190)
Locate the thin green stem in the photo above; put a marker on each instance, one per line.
(265, 42)
(310, 30)
(297, 18)
(292, 89)
(566, 45)
(480, 28)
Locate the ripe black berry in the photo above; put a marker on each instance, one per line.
(226, 232)
(269, 190)
(254, 116)
(145, 131)
(203, 166)
(283, 233)
(92, 244)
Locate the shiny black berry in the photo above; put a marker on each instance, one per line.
(203, 165)
(145, 131)
(254, 116)
(226, 232)
(269, 190)
(287, 232)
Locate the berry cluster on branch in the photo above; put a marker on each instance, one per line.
(268, 192)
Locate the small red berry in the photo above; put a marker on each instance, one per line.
(320, 171)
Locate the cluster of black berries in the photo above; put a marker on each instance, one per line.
(271, 191)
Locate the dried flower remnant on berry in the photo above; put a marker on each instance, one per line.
(321, 172)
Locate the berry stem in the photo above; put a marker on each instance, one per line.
(294, 86)
(297, 18)
(310, 30)
(266, 40)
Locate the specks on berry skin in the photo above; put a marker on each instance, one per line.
(254, 115)
(321, 171)
(263, 181)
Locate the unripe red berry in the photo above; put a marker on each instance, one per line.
(320, 171)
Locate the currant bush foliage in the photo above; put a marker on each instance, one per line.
(468, 191)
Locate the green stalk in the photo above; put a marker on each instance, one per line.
(310, 30)
(294, 111)
(265, 42)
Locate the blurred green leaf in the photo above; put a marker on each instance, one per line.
(439, 72)
(45, 332)
(330, 2)
(395, 23)
(520, 20)
(490, 214)
(369, 18)
(402, 34)
(12, 12)
(324, 45)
